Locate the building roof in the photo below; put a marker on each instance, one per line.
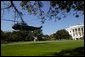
(79, 25)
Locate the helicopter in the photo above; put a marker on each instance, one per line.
(23, 26)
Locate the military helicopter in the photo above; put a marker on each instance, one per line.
(23, 26)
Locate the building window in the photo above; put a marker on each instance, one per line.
(70, 31)
(76, 32)
(78, 29)
(73, 30)
(82, 29)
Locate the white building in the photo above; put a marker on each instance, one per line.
(76, 31)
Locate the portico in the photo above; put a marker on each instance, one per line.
(76, 31)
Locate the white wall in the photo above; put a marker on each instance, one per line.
(77, 33)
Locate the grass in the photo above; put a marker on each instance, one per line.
(43, 48)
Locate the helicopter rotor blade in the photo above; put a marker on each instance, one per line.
(9, 20)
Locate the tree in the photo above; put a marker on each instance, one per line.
(3, 37)
(38, 33)
(55, 8)
(62, 34)
(8, 36)
(23, 35)
(20, 35)
(53, 36)
(47, 37)
(17, 36)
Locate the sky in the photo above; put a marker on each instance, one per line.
(49, 27)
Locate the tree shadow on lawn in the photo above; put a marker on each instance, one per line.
(71, 52)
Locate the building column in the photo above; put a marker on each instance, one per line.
(77, 32)
(83, 31)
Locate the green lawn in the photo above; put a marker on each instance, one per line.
(43, 48)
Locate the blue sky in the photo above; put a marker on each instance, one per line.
(49, 26)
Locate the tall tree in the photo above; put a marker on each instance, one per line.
(57, 9)
(62, 34)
